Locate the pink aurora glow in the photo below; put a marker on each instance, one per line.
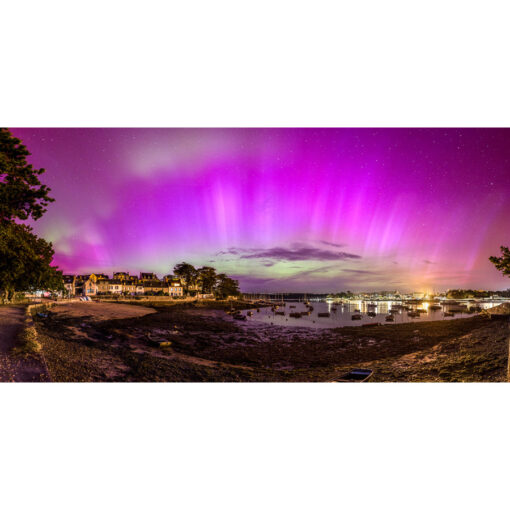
(282, 209)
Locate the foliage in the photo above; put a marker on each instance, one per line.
(21, 193)
(476, 294)
(226, 286)
(502, 263)
(207, 279)
(188, 274)
(25, 261)
(24, 258)
(342, 295)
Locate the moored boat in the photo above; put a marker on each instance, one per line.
(356, 375)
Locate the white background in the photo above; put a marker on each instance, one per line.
(244, 446)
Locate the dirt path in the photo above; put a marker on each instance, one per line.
(13, 369)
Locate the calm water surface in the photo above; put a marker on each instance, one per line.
(342, 315)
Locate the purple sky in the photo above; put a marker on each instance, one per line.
(314, 210)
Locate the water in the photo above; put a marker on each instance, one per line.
(342, 316)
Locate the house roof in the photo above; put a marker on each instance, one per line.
(102, 276)
(157, 284)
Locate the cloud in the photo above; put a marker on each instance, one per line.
(252, 280)
(298, 253)
(428, 262)
(358, 271)
(309, 272)
(336, 245)
(230, 251)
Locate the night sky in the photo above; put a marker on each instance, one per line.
(314, 210)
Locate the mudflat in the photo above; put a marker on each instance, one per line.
(201, 342)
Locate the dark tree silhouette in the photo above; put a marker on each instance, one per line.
(226, 286)
(188, 274)
(24, 258)
(502, 263)
(25, 262)
(207, 279)
(22, 196)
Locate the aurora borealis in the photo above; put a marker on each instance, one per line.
(313, 210)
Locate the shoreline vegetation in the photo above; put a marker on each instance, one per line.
(199, 341)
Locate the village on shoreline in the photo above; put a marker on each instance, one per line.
(122, 283)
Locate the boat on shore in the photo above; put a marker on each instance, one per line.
(356, 317)
(356, 375)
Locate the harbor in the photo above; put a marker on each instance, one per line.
(331, 314)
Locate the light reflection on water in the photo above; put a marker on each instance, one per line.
(341, 314)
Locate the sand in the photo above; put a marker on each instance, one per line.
(101, 311)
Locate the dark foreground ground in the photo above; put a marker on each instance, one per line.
(13, 367)
(113, 342)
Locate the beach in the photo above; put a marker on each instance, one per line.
(201, 342)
